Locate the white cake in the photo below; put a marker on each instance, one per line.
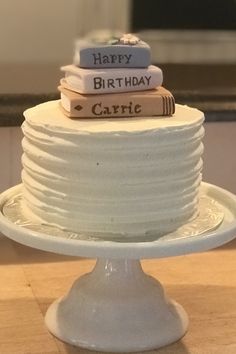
(129, 176)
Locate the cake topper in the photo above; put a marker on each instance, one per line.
(115, 38)
(129, 39)
(125, 39)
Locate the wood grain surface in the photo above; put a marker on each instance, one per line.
(204, 283)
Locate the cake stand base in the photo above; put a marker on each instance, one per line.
(117, 307)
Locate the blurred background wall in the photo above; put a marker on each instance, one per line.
(36, 37)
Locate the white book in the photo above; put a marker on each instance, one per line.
(97, 81)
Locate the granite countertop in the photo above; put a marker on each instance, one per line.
(211, 88)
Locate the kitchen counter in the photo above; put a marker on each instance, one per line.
(204, 284)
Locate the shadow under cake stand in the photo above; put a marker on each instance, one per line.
(117, 307)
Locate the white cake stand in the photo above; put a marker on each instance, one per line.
(117, 307)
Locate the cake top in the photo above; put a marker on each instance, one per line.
(50, 116)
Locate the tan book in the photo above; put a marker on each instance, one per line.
(157, 102)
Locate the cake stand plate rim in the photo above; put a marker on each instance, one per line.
(126, 250)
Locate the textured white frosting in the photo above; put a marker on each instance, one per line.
(131, 176)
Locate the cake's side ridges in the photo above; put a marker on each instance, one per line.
(115, 215)
(152, 139)
(121, 196)
(87, 188)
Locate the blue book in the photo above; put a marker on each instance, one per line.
(127, 51)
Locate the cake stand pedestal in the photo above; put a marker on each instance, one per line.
(117, 307)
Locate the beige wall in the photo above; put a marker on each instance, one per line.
(32, 30)
(37, 37)
(44, 31)
(219, 154)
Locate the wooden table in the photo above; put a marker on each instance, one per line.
(204, 283)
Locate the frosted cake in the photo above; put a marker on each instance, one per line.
(103, 176)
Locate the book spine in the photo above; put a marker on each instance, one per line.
(111, 106)
(168, 104)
